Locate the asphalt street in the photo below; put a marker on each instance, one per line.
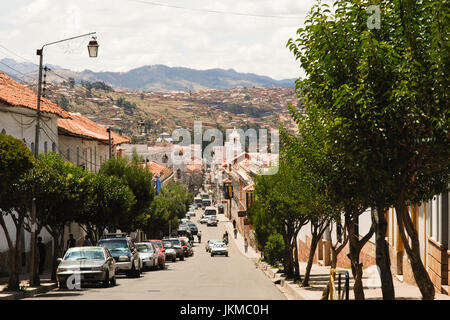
(200, 277)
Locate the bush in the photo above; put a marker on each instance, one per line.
(274, 249)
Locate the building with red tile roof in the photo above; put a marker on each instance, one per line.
(15, 94)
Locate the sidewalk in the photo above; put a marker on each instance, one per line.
(46, 285)
(251, 253)
(320, 276)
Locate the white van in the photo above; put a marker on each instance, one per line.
(210, 211)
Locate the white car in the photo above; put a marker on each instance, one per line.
(203, 220)
(147, 254)
(190, 213)
(212, 221)
(219, 248)
(209, 244)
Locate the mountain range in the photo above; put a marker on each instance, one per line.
(153, 77)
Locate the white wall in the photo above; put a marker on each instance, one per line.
(79, 151)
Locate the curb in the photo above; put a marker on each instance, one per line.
(271, 273)
(29, 292)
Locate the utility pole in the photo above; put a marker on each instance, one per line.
(109, 139)
(93, 48)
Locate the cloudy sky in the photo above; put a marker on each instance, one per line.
(133, 33)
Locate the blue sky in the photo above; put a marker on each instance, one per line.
(132, 34)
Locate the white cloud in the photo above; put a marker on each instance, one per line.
(133, 34)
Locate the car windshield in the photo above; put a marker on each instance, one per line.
(167, 244)
(175, 242)
(89, 254)
(157, 243)
(210, 212)
(114, 245)
(219, 245)
(144, 248)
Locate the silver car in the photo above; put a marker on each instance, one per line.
(219, 248)
(86, 264)
(147, 254)
(209, 243)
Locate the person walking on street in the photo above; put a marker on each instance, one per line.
(246, 245)
(235, 233)
(234, 224)
(41, 249)
(199, 236)
(87, 242)
(71, 242)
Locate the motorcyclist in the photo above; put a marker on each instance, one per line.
(225, 237)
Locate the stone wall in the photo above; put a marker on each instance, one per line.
(438, 263)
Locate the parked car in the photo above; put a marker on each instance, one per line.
(124, 253)
(209, 244)
(170, 252)
(178, 248)
(219, 248)
(212, 221)
(184, 221)
(191, 213)
(148, 255)
(160, 251)
(93, 264)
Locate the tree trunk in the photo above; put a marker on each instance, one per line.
(354, 252)
(421, 276)
(13, 282)
(312, 251)
(296, 262)
(287, 258)
(382, 252)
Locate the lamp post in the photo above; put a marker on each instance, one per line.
(93, 51)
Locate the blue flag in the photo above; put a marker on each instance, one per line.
(158, 185)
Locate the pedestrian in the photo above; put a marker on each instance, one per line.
(199, 236)
(41, 249)
(246, 245)
(234, 224)
(87, 242)
(71, 242)
(235, 233)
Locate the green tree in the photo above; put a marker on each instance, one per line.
(139, 180)
(111, 205)
(390, 113)
(15, 160)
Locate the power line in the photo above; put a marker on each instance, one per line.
(216, 11)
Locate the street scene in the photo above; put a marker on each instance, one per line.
(198, 277)
(215, 151)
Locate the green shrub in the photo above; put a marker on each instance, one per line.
(274, 249)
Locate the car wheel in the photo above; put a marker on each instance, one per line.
(106, 281)
(226, 254)
(212, 255)
(174, 259)
(182, 258)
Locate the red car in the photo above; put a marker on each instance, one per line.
(159, 248)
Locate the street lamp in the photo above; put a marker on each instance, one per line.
(93, 50)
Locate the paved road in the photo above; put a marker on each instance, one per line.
(200, 277)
